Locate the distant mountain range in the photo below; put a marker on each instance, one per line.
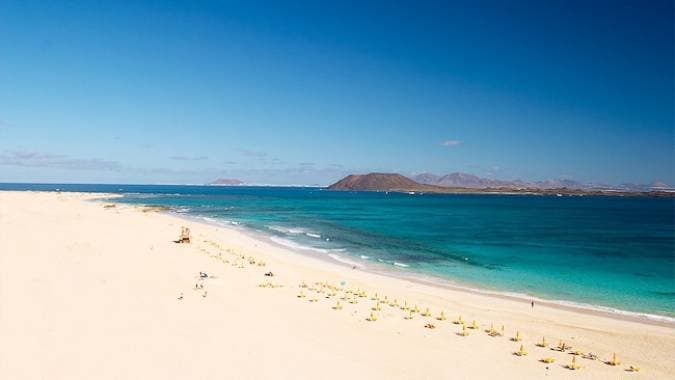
(468, 183)
(471, 181)
(226, 182)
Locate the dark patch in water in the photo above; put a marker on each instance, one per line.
(664, 294)
(642, 274)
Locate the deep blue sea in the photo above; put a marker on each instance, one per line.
(613, 252)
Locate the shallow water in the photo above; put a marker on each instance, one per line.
(616, 252)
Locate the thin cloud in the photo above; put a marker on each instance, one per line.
(188, 158)
(45, 160)
(254, 154)
(451, 142)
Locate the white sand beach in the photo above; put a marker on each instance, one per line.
(94, 292)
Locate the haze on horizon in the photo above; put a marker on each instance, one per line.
(305, 93)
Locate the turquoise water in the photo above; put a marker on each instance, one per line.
(606, 251)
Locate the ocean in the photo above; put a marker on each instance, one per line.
(613, 253)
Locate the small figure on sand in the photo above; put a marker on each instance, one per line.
(204, 294)
(533, 304)
(181, 296)
(203, 275)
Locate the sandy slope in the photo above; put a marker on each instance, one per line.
(91, 293)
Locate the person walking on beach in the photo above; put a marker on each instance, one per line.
(533, 304)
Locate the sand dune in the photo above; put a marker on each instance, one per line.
(88, 292)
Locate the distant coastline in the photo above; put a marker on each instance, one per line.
(394, 182)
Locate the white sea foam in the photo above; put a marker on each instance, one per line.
(293, 245)
(310, 234)
(401, 264)
(365, 257)
(285, 230)
(343, 260)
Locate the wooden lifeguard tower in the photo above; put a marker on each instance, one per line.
(184, 235)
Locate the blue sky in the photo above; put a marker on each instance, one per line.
(304, 93)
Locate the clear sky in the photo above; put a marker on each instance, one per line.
(303, 93)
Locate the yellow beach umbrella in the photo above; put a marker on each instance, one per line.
(573, 365)
(521, 351)
(615, 360)
(517, 338)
